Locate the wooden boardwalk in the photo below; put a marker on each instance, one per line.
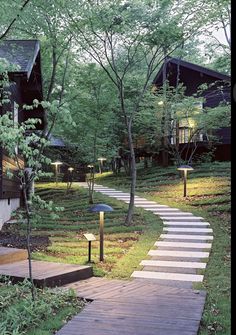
(135, 307)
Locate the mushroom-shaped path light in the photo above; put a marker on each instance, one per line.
(57, 163)
(185, 168)
(101, 160)
(101, 208)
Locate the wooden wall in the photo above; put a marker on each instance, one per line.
(9, 187)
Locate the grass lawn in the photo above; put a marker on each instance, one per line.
(208, 191)
(124, 246)
(208, 196)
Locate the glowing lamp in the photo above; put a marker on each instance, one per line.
(101, 208)
(185, 169)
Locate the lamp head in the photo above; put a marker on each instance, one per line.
(56, 163)
(100, 208)
(185, 168)
(102, 159)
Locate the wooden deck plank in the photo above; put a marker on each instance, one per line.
(132, 317)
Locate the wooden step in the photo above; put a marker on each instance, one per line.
(46, 273)
(11, 255)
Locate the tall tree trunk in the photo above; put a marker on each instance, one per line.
(133, 171)
(28, 235)
(90, 182)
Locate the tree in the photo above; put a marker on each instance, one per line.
(129, 41)
(10, 13)
(92, 128)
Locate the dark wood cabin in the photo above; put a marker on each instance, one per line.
(177, 71)
(25, 85)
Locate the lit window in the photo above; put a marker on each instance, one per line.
(184, 134)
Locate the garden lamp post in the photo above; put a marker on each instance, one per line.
(101, 208)
(90, 166)
(70, 175)
(185, 168)
(57, 163)
(101, 160)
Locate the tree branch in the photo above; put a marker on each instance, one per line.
(14, 20)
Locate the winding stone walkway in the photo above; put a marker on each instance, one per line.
(175, 259)
(176, 262)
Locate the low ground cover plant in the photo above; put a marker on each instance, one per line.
(20, 315)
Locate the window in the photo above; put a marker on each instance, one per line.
(184, 134)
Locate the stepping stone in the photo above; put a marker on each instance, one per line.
(103, 187)
(115, 194)
(186, 237)
(180, 218)
(184, 223)
(189, 230)
(182, 214)
(169, 264)
(151, 207)
(170, 253)
(164, 210)
(138, 199)
(149, 204)
(183, 245)
(167, 276)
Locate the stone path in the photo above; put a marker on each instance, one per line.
(181, 252)
(160, 299)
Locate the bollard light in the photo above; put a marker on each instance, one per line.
(57, 163)
(185, 168)
(89, 238)
(101, 160)
(101, 208)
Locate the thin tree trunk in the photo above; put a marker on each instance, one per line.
(27, 211)
(133, 170)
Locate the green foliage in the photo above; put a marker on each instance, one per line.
(93, 129)
(19, 314)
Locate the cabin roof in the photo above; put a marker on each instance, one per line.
(21, 53)
(191, 66)
(56, 141)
